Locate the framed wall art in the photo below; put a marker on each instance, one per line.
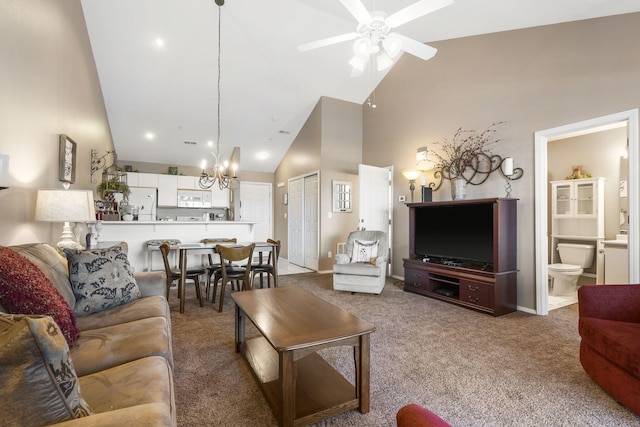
(67, 167)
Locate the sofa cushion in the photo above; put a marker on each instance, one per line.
(101, 278)
(616, 341)
(147, 380)
(52, 263)
(38, 383)
(104, 348)
(364, 251)
(24, 289)
(154, 306)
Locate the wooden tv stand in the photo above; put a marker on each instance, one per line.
(492, 293)
(487, 287)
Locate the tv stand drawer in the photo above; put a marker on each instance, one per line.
(475, 292)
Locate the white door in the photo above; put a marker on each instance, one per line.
(256, 205)
(374, 200)
(295, 223)
(311, 200)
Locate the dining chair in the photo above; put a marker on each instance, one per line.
(173, 274)
(212, 267)
(232, 272)
(268, 266)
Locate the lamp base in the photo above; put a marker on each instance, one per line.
(67, 239)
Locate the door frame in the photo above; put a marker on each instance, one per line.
(542, 138)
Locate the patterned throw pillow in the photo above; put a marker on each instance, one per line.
(24, 289)
(38, 384)
(101, 278)
(364, 251)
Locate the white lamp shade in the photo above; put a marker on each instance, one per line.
(65, 206)
(4, 170)
(411, 175)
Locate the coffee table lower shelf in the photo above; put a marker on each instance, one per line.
(321, 391)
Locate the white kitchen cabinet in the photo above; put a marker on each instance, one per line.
(136, 179)
(219, 198)
(149, 180)
(188, 183)
(167, 190)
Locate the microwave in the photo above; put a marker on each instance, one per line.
(194, 199)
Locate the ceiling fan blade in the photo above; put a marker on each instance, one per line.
(415, 48)
(415, 11)
(357, 9)
(328, 41)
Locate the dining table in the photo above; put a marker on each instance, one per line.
(184, 249)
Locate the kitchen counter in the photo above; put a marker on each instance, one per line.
(137, 233)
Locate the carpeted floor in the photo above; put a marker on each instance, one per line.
(470, 368)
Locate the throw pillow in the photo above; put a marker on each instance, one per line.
(24, 289)
(38, 384)
(364, 251)
(101, 278)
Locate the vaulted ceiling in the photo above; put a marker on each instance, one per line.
(161, 100)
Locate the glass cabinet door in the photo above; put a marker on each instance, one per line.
(585, 199)
(562, 195)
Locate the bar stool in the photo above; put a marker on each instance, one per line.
(154, 245)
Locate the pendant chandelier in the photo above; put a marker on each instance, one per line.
(220, 171)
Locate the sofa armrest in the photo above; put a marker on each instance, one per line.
(342, 259)
(151, 283)
(381, 262)
(610, 302)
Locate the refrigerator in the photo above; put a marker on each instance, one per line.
(146, 200)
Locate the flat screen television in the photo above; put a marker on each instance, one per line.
(460, 233)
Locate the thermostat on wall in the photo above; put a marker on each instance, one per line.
(401, 198)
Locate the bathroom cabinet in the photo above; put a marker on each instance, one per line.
(577, 216)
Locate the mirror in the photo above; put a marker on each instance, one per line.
(342, 197)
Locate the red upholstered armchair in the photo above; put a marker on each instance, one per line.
(610, 329)
(413, 415)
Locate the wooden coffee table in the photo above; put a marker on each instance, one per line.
(300, 386)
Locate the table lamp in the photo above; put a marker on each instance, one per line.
(66, 206)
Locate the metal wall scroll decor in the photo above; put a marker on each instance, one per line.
(477, 170)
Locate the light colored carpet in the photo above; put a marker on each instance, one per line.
(470, 368)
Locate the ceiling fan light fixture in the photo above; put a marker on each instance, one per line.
(392, 46)
(362, 46)
(359, 63)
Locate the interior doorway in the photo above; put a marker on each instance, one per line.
(256, 204)
(542, 138)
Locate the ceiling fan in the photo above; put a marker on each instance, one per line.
(374, 38)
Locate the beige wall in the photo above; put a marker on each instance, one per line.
(48, 85)
(331, 142)
(534, 79)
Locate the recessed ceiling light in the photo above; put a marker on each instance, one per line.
(159, 42)
(210, 143)
(149, 136)
(262, 155)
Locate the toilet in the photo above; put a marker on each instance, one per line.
(574, 258)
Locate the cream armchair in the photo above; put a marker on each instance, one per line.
(366, 269)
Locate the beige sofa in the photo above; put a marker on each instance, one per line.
(122, 357)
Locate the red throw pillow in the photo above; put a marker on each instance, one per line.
(24, 289)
